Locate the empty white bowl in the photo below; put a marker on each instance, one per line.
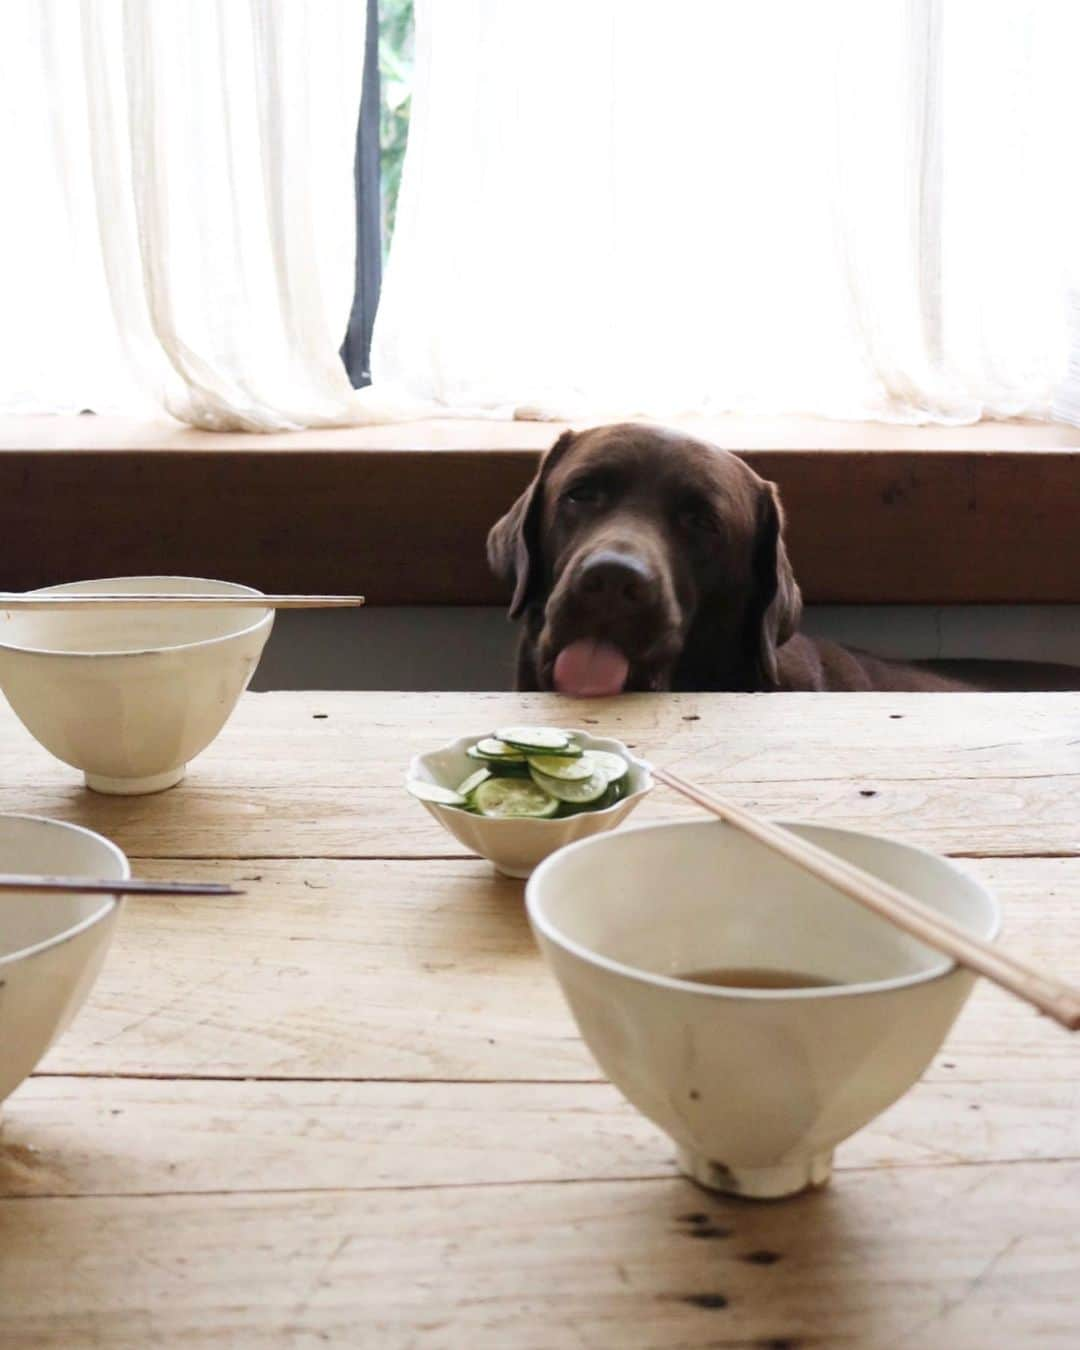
(515, 846)
(51, 946)
(755, 1086)
(130, 695)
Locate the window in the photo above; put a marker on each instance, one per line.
(849, 210)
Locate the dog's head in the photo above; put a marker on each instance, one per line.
(636, 550)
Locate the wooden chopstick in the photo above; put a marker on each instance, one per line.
(79, 600)
(12, 881)
(1046, 992)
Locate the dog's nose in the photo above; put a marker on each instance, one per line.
(617, 579)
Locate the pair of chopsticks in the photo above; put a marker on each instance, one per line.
(11, 882)
(1046, 992)
(122, 600)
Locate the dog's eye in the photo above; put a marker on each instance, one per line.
(585, 493)
(700, 519)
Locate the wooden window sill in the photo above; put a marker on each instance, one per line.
(877, 514)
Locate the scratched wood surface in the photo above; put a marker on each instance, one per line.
(350, 1107)
(319, 774)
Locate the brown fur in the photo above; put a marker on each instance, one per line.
(709, 601)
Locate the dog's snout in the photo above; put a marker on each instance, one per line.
(616, 579)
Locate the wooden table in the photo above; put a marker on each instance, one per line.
(351, 1108)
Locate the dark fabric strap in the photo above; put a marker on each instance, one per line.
(356, 349)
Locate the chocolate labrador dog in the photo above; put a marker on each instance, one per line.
(642, 559)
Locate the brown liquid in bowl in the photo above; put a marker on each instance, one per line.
(757, 977)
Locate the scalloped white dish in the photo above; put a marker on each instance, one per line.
(516, 846)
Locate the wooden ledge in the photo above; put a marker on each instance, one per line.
(765, 434)
(878, 514)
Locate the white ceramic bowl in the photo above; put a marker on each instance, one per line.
(516, 846)
(756, 1087)
(130, 695)
(51, 946)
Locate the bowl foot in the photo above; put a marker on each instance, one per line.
(516, 873)
(758, 1183)
(134, 787)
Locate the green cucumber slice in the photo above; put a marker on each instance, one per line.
(508, 768)
(473, 781)
(590, 789)
(611, 765)
(563, 766)
(541, 740)
(612, 794)
(432, 792)
(571, 750)
(514, 797)
(491, 748)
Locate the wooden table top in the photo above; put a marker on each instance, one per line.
(350, 1108)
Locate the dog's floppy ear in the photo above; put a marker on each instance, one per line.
(513, 543)
(776, 607)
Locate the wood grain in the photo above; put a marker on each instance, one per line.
(427, 970)
(963, 1257)
(334, 739)
(329, 969)
(349, 1107)
(160, 1136)
(77, 1136)
(876, 514)
(959, 818)
(965, 774)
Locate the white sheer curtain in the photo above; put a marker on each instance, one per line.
(626, 206)
(178, 226)
(609, 207)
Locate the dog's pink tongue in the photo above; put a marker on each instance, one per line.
(590, 669)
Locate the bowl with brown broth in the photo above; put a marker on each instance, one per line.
(754, 1013)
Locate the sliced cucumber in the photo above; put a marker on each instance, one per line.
(542, 740)
(571, 750)
(611, 765)
(514, 797)
(432, 792)
(612, 794)
(509, 768)
(491, 748)
(590, 789)
(563, 767)
(532, 772)
(469, 786)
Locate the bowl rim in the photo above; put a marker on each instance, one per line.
(238, 588)
(947, 966)
(500, 822)
(109, 904)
